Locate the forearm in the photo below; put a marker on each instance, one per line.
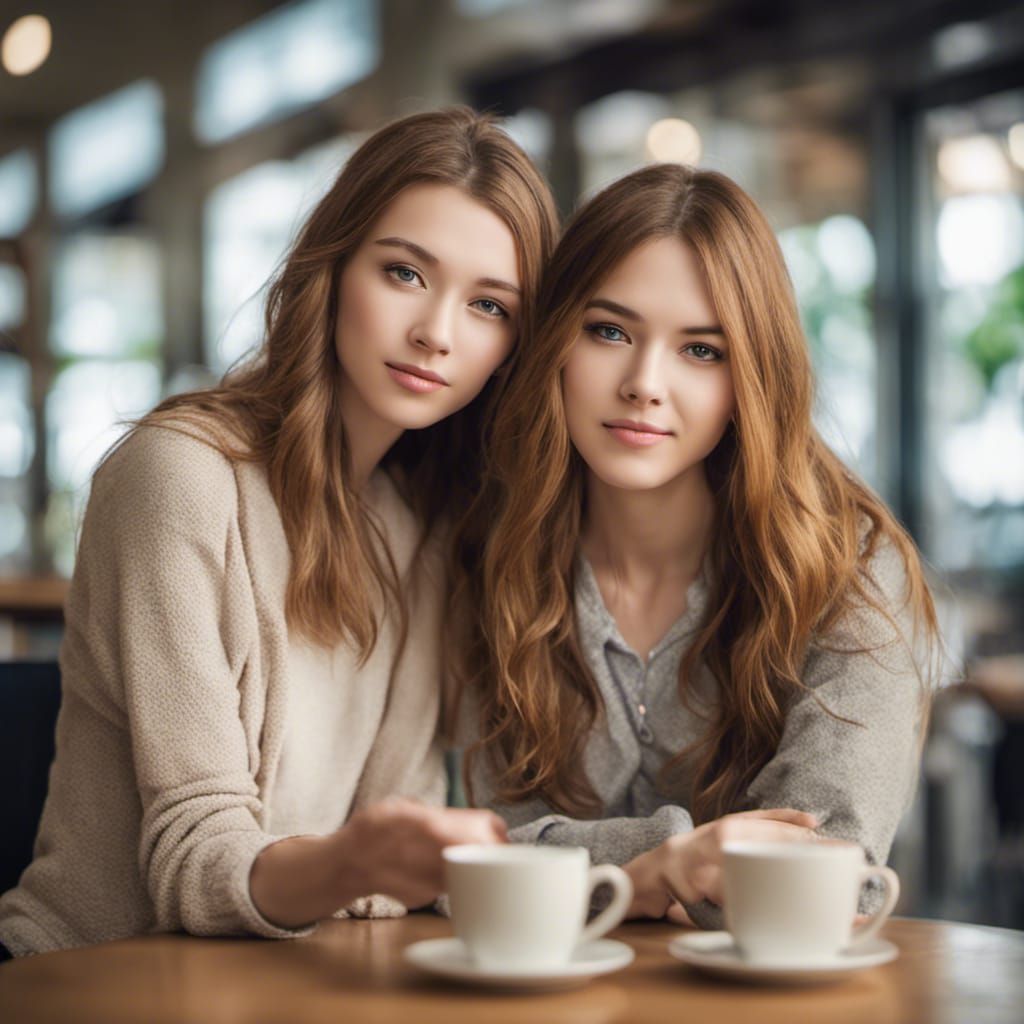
(609, 840)
(304, 879)
(857, 779)
(634, 843)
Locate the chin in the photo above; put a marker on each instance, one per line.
(414, 422)
(630, 478)
(403, 417)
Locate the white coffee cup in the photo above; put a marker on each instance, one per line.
(521, 907)
(791, 903)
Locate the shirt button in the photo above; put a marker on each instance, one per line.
(642, 708)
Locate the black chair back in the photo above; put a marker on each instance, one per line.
(29, 701)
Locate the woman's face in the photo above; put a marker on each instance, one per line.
(648, 389)
(428, 309)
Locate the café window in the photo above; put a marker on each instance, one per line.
(532, 129)
(106, 337)
(107, 150)
(832, 265)
(975, 307)
(248, 223)
(283, 62)
(611, 135)
(18, 192)
(17, 445)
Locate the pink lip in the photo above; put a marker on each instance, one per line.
(635, 433)
(415, 378)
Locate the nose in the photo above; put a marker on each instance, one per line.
(432, 330)
(642, 386)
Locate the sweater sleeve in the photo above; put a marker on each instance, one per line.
(851, 743)
(609, 840)
(160, 560)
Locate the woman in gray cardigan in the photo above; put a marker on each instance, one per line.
(685, 619)
(251, 666)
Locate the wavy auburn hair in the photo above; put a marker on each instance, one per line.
(282, 407)
(794, 531)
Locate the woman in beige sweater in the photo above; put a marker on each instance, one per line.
(247, 740)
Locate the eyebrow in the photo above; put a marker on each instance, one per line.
(404, 243)
(631, 314)
(496, 282)
(428, 257)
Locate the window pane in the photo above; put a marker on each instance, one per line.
(106, 297)
(14, 538)
(16, 437)
(315, 170)
(975, 467)
(84, 409)
(19, 191)
(107, 150)
(832, 265)
(17, 445)
(249, 222)
(532, 129)
(284, 61)
(612, 135)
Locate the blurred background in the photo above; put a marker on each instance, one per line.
(156, 159)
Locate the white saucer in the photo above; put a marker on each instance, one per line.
(716, 953)
(448, 958)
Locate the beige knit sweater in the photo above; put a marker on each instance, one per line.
(177, 668)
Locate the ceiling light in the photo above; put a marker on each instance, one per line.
(26, 44)
(674, 141)
(974, 163)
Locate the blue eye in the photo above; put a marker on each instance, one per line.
(607, 332)
(704, 353)
(405, 275)
(490, 308)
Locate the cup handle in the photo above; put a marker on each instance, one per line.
(616, 910)
(862, 932)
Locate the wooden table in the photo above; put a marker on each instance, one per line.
(352, 971)
(33, 597)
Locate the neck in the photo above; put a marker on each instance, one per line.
(649, 534)
(368, 442)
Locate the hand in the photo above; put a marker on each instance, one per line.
(691, 863)
(394, 847)
(688, 867)
(677, 914)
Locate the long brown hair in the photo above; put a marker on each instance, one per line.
(281, 408)
(795, 529)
